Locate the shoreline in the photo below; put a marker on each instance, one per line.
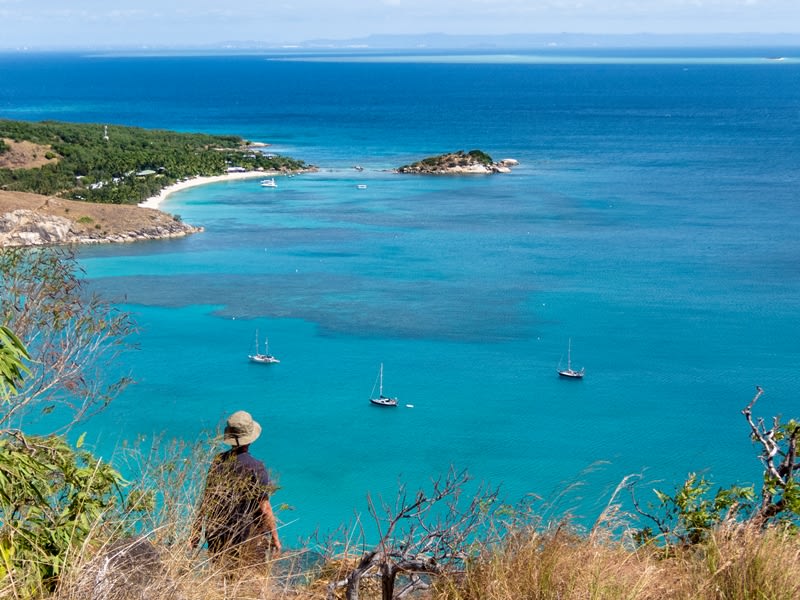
(155, 201)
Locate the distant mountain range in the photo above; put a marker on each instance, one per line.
(442, 41)
(448, 42)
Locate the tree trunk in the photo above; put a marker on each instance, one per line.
(352, 586)
(388, 575)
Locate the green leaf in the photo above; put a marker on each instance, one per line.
(662, 497)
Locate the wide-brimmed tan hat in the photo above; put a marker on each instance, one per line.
(241, 429)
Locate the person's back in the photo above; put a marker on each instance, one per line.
(236, 484)
(235, 511)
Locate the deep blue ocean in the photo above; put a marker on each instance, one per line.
(653, 220)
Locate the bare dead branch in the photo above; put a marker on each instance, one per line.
(428, 535)
(71, 335)
(779, 458)
(765, 437)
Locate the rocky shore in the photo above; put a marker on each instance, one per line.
(34, 220)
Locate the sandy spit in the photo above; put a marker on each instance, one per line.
(155, 201)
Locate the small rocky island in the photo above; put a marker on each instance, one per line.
(459, 163)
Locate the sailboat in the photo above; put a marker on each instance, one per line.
(381, 400)
(569, 372)
(264, 359)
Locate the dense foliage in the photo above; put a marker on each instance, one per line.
(52, 496)
(124, 165)
(480, 156)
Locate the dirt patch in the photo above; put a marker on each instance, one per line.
(97, 219)
(26, 155)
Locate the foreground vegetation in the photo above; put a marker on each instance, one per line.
(71, 527)
(116, 164)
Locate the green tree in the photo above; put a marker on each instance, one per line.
(481, 156)
(52, 497)
(688, 516)
(12, 363)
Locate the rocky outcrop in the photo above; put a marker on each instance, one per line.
(129, 569)
(176, 229)
(459, 163)
(26, 227)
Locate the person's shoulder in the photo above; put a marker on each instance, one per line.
(245, 458)
(252, 465)
(221, 458)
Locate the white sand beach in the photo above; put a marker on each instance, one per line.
(155, 201)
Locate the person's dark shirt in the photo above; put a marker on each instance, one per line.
(236, 484)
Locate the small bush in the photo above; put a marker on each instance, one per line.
(481, 156)
(51, 497)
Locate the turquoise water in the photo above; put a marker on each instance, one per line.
(653, 220)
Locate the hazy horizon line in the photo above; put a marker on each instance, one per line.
(440, 41)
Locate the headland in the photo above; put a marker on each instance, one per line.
(66, 183)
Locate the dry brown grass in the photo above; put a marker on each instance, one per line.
(552, 564)
(25, 155)
(90, 218)
(142, 551)
(529, 562)
(739, 563)
(744, 562)
(173, 573)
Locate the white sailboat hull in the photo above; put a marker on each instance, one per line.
(262, 358)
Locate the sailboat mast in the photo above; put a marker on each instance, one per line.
(569, 354)
(380, 385)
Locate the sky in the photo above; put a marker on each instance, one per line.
(140, 23)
